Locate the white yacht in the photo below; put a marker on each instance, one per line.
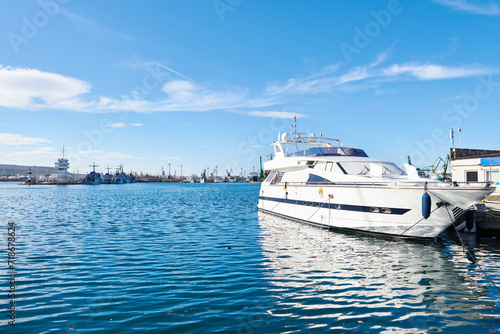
(318, 181)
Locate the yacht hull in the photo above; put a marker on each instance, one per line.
(383, 209)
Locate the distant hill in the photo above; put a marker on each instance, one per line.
(8, 170)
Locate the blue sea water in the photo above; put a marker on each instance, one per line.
(199, 258)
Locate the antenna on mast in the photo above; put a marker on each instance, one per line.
(452, 138)
(94, 166)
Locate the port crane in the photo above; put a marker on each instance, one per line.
(441, 163)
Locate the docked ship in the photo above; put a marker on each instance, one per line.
(92, 178)
(119, 177)
(319, 181)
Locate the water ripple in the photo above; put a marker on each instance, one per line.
(184, 258)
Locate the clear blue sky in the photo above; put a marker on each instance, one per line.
(211, 83)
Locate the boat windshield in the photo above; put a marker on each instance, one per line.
(329, 151)
(363, 168)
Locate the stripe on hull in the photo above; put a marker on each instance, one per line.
(337, 206)
(330, 227)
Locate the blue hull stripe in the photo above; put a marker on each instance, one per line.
(329, 227)
(336, 206)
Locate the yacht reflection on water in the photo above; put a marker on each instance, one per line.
(334, 277)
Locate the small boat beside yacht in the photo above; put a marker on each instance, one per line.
(319, 181)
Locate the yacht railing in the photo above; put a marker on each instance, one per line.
(331, 183)
(312, 141)
(455, 184)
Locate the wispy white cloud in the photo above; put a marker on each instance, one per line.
(356, 74)
(33, 89)
(103, 155)
(380, 92)
(117, 125)
(98, 30)
(124, 125)
(327, 83)
(363, 72)
(185, 95)
(332, 68)
(18, 140)
(181, 90)
(489, 8)
(370, 76)
(114, 155)
(434, 72)
(172, 158)
(274, 114)
(48, 153)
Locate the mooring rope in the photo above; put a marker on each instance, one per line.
(491, 214)
(328, 228)
(307, 220)
(250, 204)
(398, 236)
(470, 254)
(279, 202)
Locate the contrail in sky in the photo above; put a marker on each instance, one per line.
(171, 70)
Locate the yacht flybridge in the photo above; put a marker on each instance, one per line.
(319, 181)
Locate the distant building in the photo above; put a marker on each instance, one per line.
(62, 166)
(253, 177)
(62, 175)
(472, 165)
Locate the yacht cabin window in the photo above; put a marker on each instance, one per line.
(363, 168)
(331, 167)
(270, 177)
(471, 176)
(313, 178)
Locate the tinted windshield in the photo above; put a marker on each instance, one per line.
(329, 151)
